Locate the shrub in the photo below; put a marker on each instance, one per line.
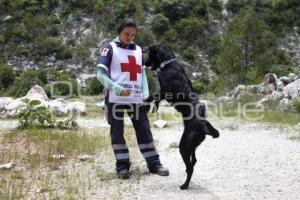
(189, 54)
(64, 88)
(21, 51)
(152, 82)
(199, 87)
(173, 10)
(25, 82)
(7, 76)
(2, 39)
(37, 115)
(94, 87)
(296, 103)
(193, 25)
(160, 24)
(64, 53)
(144, 38)
(46, 45)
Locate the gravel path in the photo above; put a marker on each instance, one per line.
(250, 162)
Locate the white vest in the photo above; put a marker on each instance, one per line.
(126, 70)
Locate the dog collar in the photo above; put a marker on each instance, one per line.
(166, 62)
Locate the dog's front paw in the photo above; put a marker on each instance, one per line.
(147, 108)
(184, 186)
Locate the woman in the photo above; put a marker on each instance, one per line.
(122, 73)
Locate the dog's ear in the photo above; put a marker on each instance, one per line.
(163, 53)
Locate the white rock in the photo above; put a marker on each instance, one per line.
(276, 95)
(238, 89)
(262, 103)
(58, 107)
(292, 90)
(285, 105)
(5, 101)
(7, 18)
(160, 123)
(225, 99)
(84, 157)
(15, 105)
(76, 106)
(58, 156)
(8, 166)
(284, 79)
(100, 104)
(37, 92)
(292, 77)
(297, 126)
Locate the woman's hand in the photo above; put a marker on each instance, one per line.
(125, 93)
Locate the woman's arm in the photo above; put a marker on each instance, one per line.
(106, 81)
(145, 89)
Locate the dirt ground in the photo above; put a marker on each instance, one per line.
(248, 161)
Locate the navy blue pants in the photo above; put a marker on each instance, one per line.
(139, 119)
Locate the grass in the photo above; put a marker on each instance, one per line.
(32, 152)
(43, 143)
(273, 117)
(295, 138)
(38, 176)
(238, 111)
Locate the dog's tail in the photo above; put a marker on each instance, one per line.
(208, 129)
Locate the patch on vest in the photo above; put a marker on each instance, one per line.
(104, 52)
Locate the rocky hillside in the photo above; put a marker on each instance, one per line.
(222, 43)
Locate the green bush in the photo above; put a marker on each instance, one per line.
(2, 39)
(160, 24)
(24, 83)
(62, 88)
(94, 87)
(283, 70)
(152, 82)
(64, 53)
(192, 30)
(170, 38)
(145, 38)
(296, 103)
(217, 87)
(189, 54)
(7, 76)
(173, 10)
(45, 46)
(21, 51)
(199, 87)
(37, 115)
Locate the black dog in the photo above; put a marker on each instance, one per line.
(176, 88)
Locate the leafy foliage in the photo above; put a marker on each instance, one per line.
(240, 47)
(37, 115)
(296, 103)
(7, 76)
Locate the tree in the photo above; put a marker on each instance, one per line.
(247, 44)
(191, 30)
(7, 76)
(160, 24)
(23, 83)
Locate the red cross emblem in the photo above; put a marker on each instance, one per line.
(132, 68)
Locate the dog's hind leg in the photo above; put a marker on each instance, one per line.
(194, 160)
(186, 156)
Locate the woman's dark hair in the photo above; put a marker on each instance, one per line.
(127, 22)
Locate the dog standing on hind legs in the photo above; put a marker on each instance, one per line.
(176, 88)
